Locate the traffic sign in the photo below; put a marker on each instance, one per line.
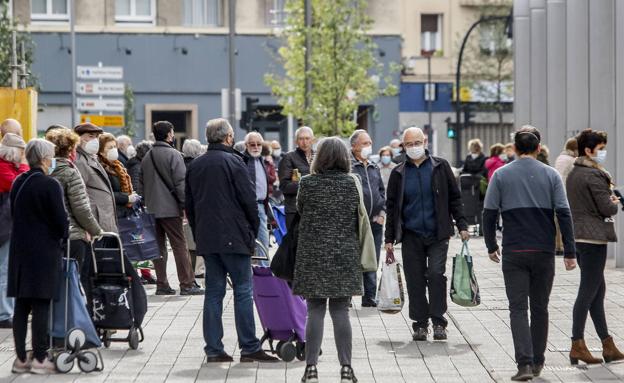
(111, 121)
(97, 72)
(104, 105)
(100, 89)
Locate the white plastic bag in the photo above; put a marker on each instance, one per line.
(390, 293)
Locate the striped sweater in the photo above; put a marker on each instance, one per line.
(529, 195)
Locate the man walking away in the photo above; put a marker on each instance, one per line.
(293, 166)
(223, 213)
(162, 184)
(374, 200)
(422, 201)
(528, 194)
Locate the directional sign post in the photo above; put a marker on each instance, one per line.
(111, 121)
(100, 89)
(100, 72)
(104, 105)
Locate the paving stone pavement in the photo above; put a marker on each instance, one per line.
(479, 348)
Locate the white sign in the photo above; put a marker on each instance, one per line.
(225, 103)
(430, 92)
(100, 89)
(105, 105)
(96, 72)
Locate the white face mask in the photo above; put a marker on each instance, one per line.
(474, 155)
(131, 151)
(277, 152)
(112, 155)
(416, 152)
(396, 152)
(601, 157)
(366, 151)
(93, 146)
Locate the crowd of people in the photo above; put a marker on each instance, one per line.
(75, 184)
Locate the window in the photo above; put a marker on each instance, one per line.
(201, 13)
(135, 11)
(275, 13)
(49, 10)
(430, 34)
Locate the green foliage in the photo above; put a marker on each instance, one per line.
(344, 70)
(129, 113)
(7, 26)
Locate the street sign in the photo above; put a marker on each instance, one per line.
(225, 103)
(111, 121)
(104, 105)
(97, 72)
(100, 89)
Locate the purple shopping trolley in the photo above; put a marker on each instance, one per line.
(282, 314)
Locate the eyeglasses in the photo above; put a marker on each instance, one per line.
(412, 144)
(254, 145)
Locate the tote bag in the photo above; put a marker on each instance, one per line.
(138, 234)
(365, 234)
(464, 286)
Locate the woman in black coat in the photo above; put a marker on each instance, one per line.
(475, 161)
(34, 266)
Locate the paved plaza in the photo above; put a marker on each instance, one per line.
(479, 348)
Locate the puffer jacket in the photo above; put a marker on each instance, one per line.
(81, 219)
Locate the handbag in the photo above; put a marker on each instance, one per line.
(138, 235)
(365, 234)
(464, 286)
(283, 262)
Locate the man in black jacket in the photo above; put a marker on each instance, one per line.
(422, 199)
(374, 199)
(223, 214)
(293, 166)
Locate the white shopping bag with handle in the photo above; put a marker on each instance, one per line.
(390, 294)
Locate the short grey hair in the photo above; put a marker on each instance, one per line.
(217, 130)
(332, 154)
(306, 129)
(356, 136)
(37, 151)
(192, 148)
(124, 141)
(239, 146)
(11, 154)
(252, 134)
(142, 148)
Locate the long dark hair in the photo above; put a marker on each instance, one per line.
(332, 155)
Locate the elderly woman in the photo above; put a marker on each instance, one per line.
(192, 149)
(83, 224)
(134, 163)
(385, 164)
(11, 165)
(475, 161)
(34, 265)
(120, 181)
(328, 270)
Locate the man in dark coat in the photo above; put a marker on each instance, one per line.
(223, 214)
(374, 194)
(422, 200)
(293, 166)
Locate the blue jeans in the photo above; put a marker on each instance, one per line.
(370, 278)
(6, 304)
(238, 266)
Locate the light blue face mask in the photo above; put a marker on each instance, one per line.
(601, 157)
(386, 160)
(52, 166)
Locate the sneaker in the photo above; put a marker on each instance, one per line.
(8, 323)
(192, 291)
(420, 334)
(223, 358)
(347, 375)
(258, 356)
(20, 367)
(42, 368)
(310, 375)
(165, 291)
(439, 332)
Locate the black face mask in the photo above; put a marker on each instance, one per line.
(173, 142)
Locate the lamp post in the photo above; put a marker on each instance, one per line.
(307, 9)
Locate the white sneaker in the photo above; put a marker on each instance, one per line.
(20, 367)
(42, 368)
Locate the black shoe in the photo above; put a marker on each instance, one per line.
(420, 334)
(347, 375)
(151, 280)
(6, 323)
(223, 358)
(524, 373)
(165, 291)
(439, 332)
(368, 303)
(192, 291)
(310, 375)
(537, 369)
(258, 356)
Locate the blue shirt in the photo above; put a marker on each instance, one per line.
(261, 180)
(419, 214)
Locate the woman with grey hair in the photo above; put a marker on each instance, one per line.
(192, 149)
(34, 266)
(329, 270)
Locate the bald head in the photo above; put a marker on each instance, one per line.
(11, 126)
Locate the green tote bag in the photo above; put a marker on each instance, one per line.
(464, 286)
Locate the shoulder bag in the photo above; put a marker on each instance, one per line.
(365, 234)
(162, 179)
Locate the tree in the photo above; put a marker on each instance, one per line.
(7, 26)
(488, 60)
(344, 71)
(129, 114)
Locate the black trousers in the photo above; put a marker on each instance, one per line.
(78, 250)
(289, 218)
(40, 309)
(591, 295)
(424, 262)
(529, 278)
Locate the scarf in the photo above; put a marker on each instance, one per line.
(589, 163)
(116, 168)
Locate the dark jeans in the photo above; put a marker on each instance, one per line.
(424, 262)
(591, 260)
(529, 277)
(370, 278)
(39, 326)
(172, 229)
